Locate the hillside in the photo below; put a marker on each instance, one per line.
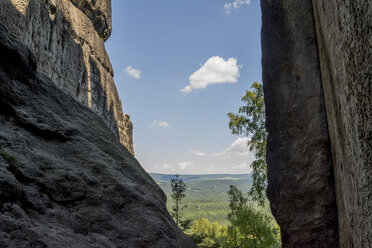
(206, 195)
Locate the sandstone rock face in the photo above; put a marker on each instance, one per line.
(300, 172)
(99, 12)
(319, 145)
(65, 180)
(344, 38)
(67, 37)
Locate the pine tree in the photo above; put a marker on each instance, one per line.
(178, 193)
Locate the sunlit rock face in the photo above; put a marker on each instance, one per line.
(65, 179)
(99, 12)
(317, 84)
(67, 38)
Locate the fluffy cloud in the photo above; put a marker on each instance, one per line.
(133, 72)
(156, 123)
(216, 70)
(185, 165)
(234, 158)
(243, 166)
(198, 153)
(236, 4)
(237, 148)
(163, 166)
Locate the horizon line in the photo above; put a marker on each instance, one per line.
(199, 174)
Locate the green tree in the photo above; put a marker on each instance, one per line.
(248, 226)
(206, 234)
(250, 121)
(178, 187)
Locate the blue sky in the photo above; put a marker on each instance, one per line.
(180, 67)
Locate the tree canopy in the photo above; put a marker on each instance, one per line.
(248, 226)
(250, 121)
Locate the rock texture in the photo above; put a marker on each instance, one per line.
(317, 82)
(344, 31)
(67, 37)
(65, 180)
(300, 173)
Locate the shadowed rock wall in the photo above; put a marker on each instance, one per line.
(344, 31)
(67, 37)
(316, 58)
(65, 180)
(300, 173)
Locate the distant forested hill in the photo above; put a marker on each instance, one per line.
(166, 177)
(206, 195)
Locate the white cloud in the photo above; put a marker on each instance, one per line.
(236, 4)
(246, 167)
(216, 70)
(198, 153)
(163, 166)
(185, 165)
(234, 158)
(243, 165)
(133, 72)
(237, 148)
(156, 123)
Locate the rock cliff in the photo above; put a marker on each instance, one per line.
(67, 38)
(316, 60)
(344, 32)
(65, 179)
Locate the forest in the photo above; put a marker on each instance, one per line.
(206, 209)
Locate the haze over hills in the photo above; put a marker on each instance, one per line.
(159, 177)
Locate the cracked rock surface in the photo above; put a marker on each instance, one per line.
(67, 38)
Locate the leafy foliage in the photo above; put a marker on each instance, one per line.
(250, 121)
(237, 217)
(249, 227)
(206, 234)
